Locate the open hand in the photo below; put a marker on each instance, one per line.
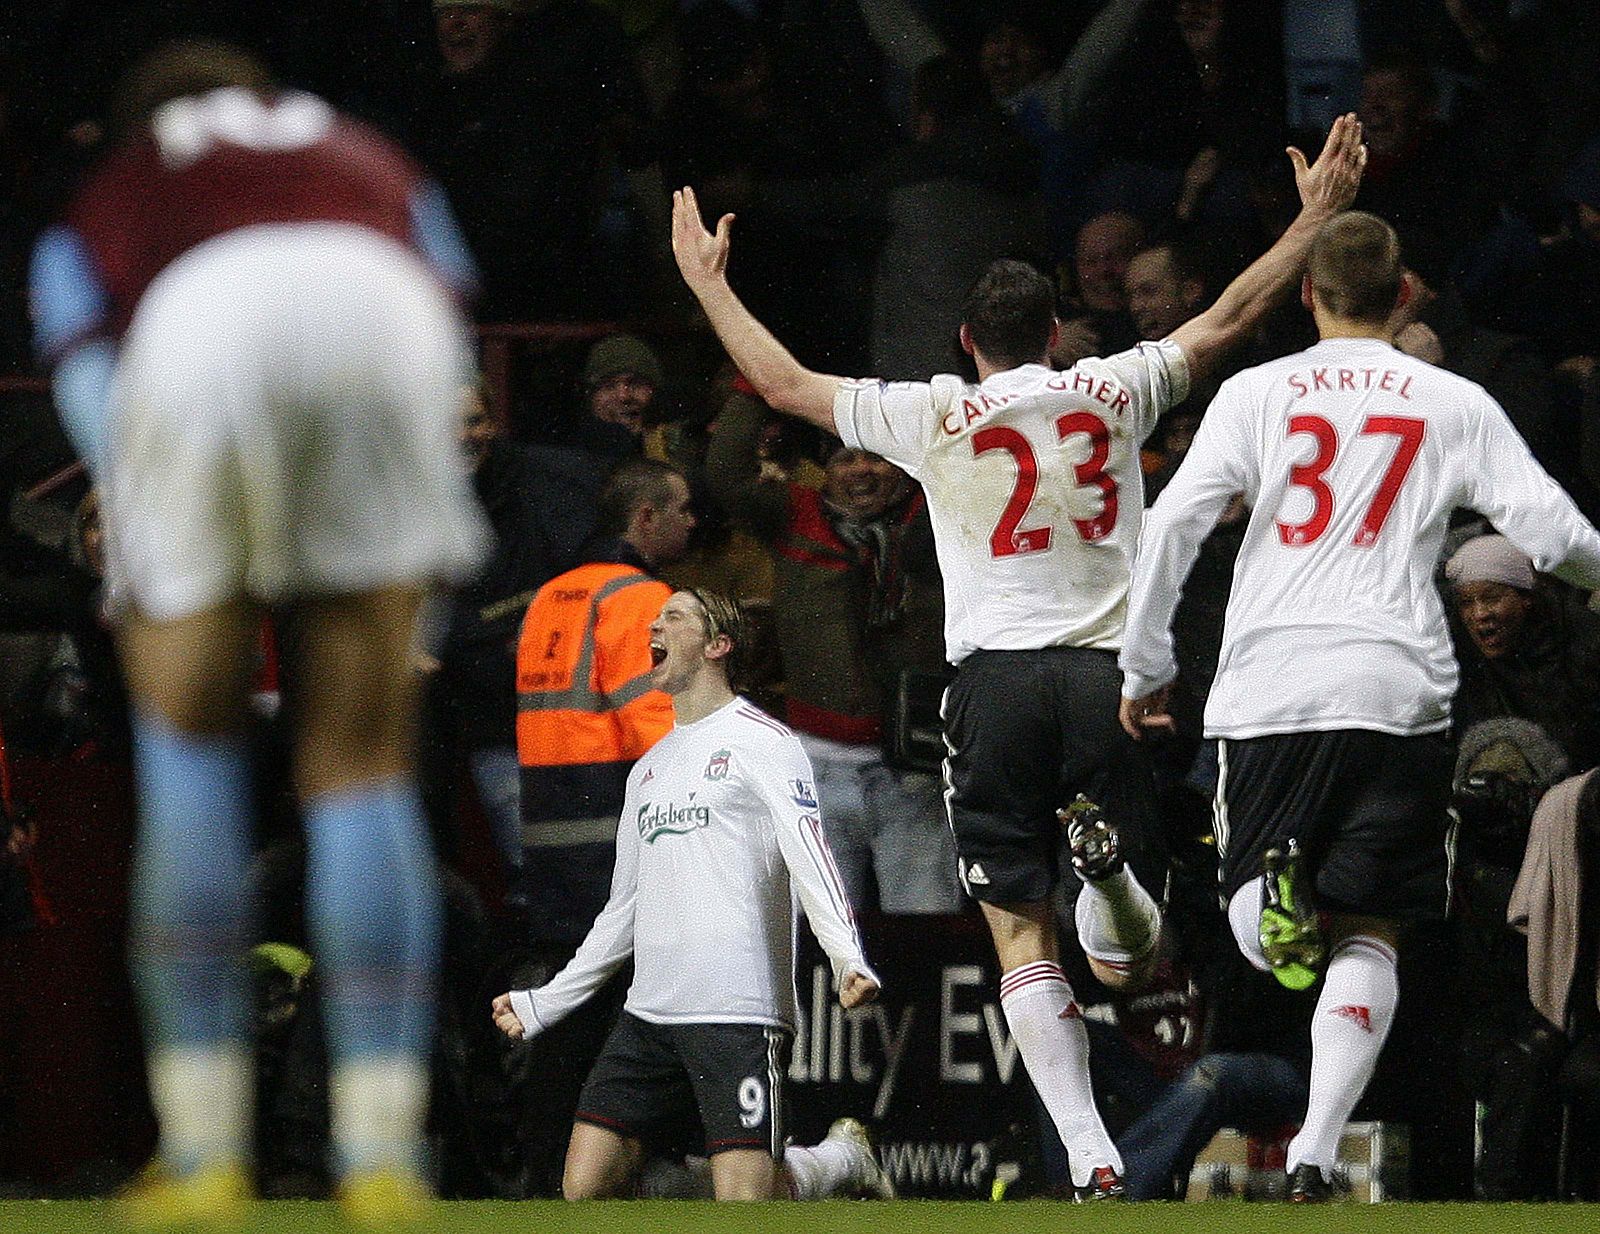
(702, 257)
(1329, 185)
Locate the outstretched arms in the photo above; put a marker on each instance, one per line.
(1326, 187)
(781, 380)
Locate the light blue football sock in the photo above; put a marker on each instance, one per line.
(373, 914)
(189, 904)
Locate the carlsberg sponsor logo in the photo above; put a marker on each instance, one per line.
(671, 819)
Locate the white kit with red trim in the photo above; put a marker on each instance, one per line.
(1033, 485)
(1352, 456)
(721, 821)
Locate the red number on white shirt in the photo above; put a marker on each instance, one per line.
(1410, 433)
(1309, 476)
(1008, 538)
(1093, 471)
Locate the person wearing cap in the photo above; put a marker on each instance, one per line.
(1529, 650)
(621, 377)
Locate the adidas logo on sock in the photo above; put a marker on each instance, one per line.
(1070, 1012)
(976, 876)
(1361, 1017)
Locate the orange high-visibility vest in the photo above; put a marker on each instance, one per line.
(585, 708)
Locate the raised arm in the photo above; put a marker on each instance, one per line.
(1083, 76)
(782, 381)
(902, 34)
(1326, 187)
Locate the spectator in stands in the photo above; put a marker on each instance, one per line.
(1420, 177)
(1166, 284)
(1435, 326)
(748, 125)
(517, 124)
(858, 604)
(1095, 320)
(964, 193)
(1059, 105)
(622, 374)
(1529, 651)
(1503, 768)
(1210, 77)
(1552, 904)
(620, 378)
(470, 705)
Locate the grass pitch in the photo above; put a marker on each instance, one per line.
(903, 1217)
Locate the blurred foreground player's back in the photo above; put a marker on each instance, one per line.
(249, 313)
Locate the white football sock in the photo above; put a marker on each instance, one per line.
(378, 1108)
(1244, 918)
(1118, 922)
(1351, 1023)
(204, 1099)
(1048, 1028)
(817, 1172)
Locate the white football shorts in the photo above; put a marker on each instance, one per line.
(284, 422)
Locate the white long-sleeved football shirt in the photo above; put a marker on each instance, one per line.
(1034, 489)
(719, 823)
(1352, 455)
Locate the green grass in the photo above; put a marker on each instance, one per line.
(910, 1216)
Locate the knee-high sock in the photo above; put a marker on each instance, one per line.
(1352, 1021)
(1117, 920)
(372, 908)
(188, 926)
(1244, 919)
(1048, 1029)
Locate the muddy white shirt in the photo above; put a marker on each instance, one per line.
(1352, 455)
(720, 822)
(1034, 489)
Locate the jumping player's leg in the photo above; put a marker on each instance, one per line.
(602, 1164)
(1003, 730)
(188, 679)
(1118, 922)
(1045, 1023)
(372, 906)
(1354, 1014)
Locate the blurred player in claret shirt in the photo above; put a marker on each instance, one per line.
(1034, 490)
(250, 313)
(1332, 696)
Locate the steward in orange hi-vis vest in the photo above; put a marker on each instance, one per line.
(585, 711)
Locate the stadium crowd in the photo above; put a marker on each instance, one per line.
(879, 155)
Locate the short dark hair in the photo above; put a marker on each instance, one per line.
(725, 615)
(633, 484)
(177, 69)
(1010, 312)
(1355, 267)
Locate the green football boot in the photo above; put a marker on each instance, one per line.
(1291, 931)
